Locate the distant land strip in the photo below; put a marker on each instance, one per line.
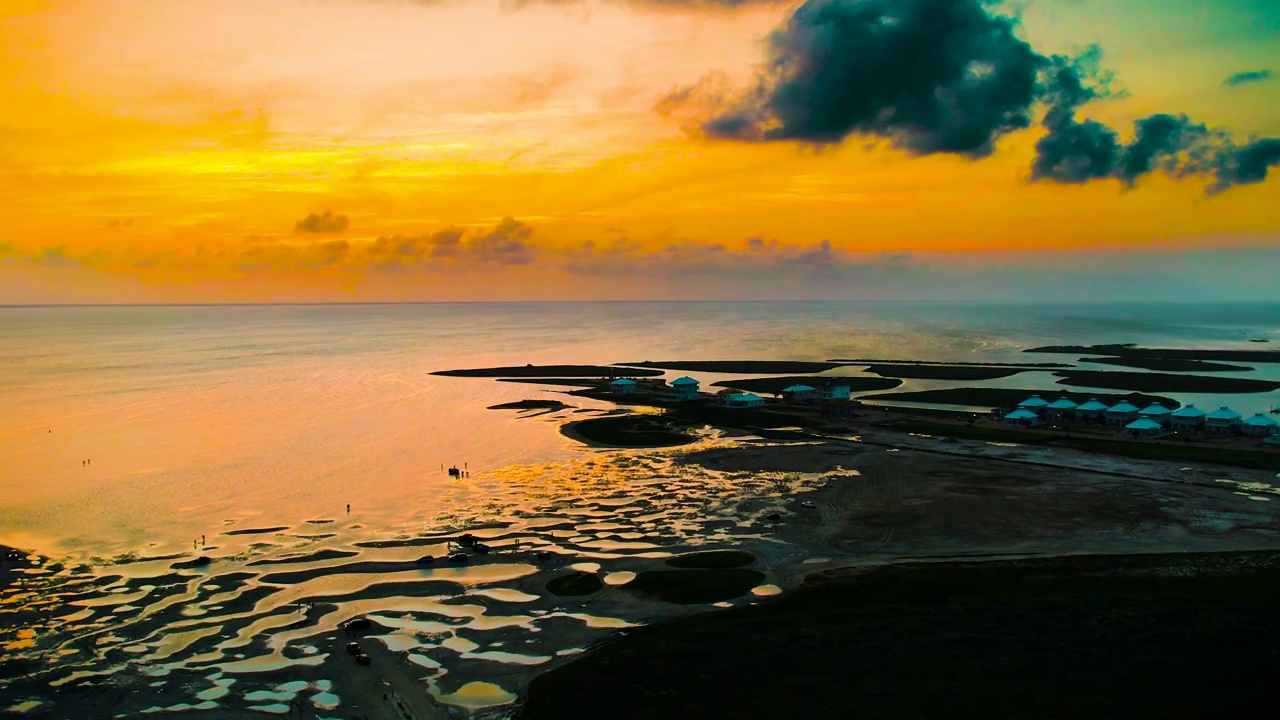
(1007, 397)
(1167, 364)
(549, 371)
(1132, 351)
(875, 361)
(947, 372)
(748, 367)
(775, 385)
(1162, 382)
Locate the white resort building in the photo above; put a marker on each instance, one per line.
(623, 386)
(833, 390)
(1157, 412)
(1093, 410)
(742, 400)
(1188, 418)
(1259, 426)
(1122, 413)
(1223, 421)
(685, 388)
(1060, 407)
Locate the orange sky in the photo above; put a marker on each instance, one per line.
(172, 151)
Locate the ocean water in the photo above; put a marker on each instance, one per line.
(190, 415)
(128, 433)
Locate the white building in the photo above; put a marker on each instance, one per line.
(1092, 410)
(1223, 421)
(685, 388)
(1187, 419)
(797, 393)
(1145, 427)
(1022, 417)
(1122, 413)
(833, 390)
(742, 400)
(1157, 412)
(1258, 426)
(1059, 407)
(1033, 403)
(623, 386)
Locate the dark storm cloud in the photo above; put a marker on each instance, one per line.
(1244, 78)
(951, 76)
(322, 223)
(929, 75)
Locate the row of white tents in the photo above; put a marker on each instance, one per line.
(1155, 419)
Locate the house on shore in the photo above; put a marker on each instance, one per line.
(1034, 403)
(1188, 418)
(833, 390)
(685, 388)
(798, 393)
(1059, 408)
(1145, 427)
(742, 400)
(1223, 421)
(1092, 411)
(1022, 417)
(623, 386)
(1122, 413)
(1259, 426)
(1157, 412)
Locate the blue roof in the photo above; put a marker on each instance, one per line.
(1094, 405)
(1155, 409)
(1062, 404)
(1259, 420)
(798, 388)
(686, 380)
(1190, 411)
(1033, 401)
(1123, 407)
(1143, 424)
(623, 381)
(1021, 415)
(1224, 413)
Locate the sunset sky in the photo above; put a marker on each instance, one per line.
(394, 150)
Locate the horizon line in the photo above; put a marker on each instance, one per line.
(375, 303)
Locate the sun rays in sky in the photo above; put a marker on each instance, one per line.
(237, 150)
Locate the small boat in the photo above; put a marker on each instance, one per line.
(1259, 340)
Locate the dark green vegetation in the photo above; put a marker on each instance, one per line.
(1132, 351)
(945, 372)
(713, 559)
(1007, 398)
(629, 431)
(1167, 364)
(1170, 450)
(873, 361)
(760, 367)
(775, 385)
(1162, 382)
(549, 371)
(574, 584)
(529, 405)
(571, 382)
(1174, 636)
(695, 587)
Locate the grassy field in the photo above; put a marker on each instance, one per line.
(1177, 636)
(775, 385)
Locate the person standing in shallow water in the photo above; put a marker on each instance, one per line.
(348, 507)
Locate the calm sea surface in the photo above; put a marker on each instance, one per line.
(128, 434)
(189, 416)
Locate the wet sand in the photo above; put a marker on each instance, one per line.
(240, 634)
